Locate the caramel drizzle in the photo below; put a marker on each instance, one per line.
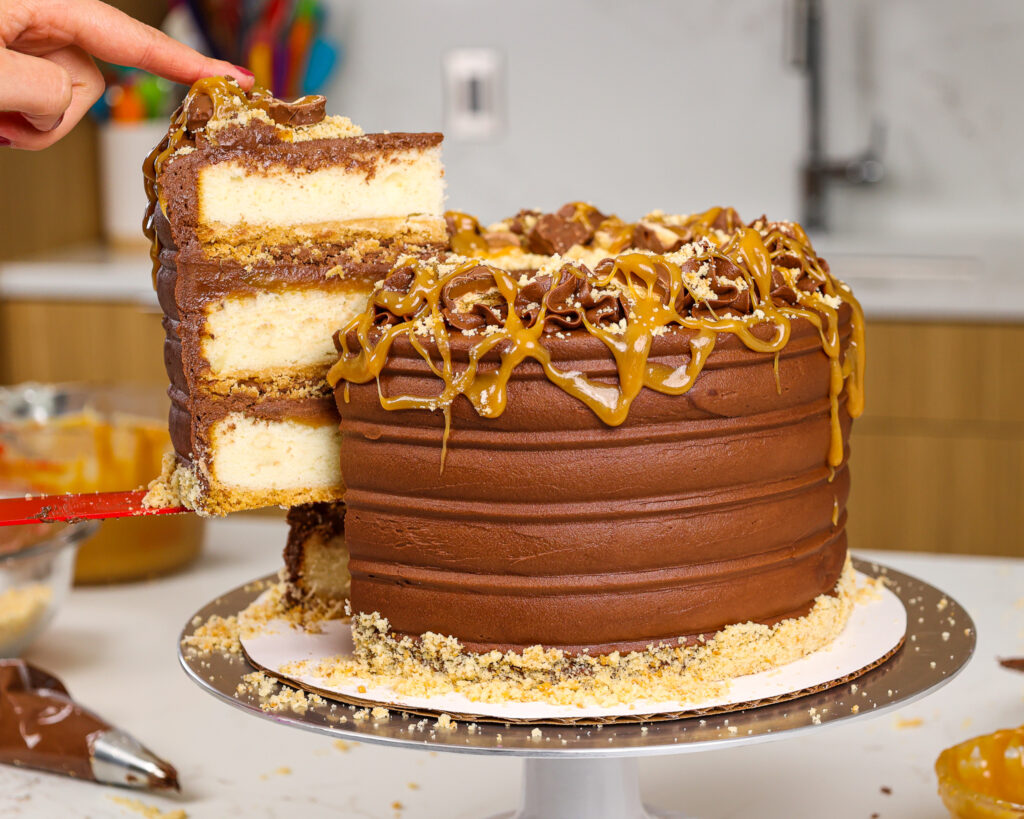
(466, 239)
(636, 275)
(227, 99)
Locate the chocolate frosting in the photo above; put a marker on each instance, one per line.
(547, 526)
(40, 726)
(637, 453)
(751, 282)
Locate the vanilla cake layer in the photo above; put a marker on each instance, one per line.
(284, 333)
(399, 193)
(247, 352)
(232, 454)
(277, 199)
(274, 457)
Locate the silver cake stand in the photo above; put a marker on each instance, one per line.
(590, 771)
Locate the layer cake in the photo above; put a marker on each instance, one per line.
(270, 221)
(580, 444)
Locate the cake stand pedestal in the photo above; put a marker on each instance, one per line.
(575, 788)
(576, 770)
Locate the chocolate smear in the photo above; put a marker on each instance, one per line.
(199, 112)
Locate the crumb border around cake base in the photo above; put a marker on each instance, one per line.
(646, 717)
(438, 664)
(675, 674)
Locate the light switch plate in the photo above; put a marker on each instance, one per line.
(473, 93)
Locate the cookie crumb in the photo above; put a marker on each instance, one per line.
(148, 811)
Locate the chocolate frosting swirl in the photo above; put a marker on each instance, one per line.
(471, 300)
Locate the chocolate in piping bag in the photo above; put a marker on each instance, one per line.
(41, 727)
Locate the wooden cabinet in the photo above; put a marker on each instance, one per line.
(80, 341)
(937, 458)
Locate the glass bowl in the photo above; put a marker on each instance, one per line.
(58, 438)
(983, 778)
(37, 564)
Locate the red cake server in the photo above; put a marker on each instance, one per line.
(70, 508)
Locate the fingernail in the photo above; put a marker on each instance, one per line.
(4, 142)
(245, 71)
(56, 125)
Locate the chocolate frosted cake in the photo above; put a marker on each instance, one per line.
(270, 222)
(583, 449)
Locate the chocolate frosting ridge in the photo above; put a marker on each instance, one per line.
(699, 510)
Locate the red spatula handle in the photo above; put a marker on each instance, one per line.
(69, 508)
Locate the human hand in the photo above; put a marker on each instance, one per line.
(48, 79)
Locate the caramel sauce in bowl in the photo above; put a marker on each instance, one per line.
(58, 438)
(983, 778)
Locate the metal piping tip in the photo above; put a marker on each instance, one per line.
(120, 759)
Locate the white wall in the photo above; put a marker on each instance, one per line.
(946, 76)
(681, 105)
(632, 105)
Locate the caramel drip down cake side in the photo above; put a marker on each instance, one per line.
(750, 283)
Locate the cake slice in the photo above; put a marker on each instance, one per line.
(270, 222)
(316, 560)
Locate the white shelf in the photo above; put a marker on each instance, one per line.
(85, 273)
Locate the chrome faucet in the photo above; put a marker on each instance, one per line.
(817, 170)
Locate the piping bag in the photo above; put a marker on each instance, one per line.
(41, 727)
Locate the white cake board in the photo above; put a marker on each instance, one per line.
(591, 771)
(874, 631)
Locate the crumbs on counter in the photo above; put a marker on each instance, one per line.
(21, 608)
(903, 724)
(273, 696)
(140, 808)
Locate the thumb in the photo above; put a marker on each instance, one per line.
(38, 89)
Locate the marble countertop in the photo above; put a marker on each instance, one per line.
(115, 648)
(895, 280)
